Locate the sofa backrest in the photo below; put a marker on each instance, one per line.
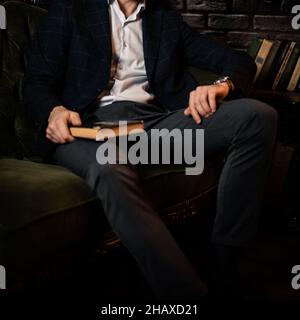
(16, 134)
(22, 21)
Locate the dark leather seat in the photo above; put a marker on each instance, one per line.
(48, 214)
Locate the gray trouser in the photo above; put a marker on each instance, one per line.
(243, 129)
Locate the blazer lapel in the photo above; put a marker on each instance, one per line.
(152, 23)
(98, 22)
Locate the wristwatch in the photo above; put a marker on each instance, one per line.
(226, 80)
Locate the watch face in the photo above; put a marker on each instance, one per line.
(220, 80)
(227, 80)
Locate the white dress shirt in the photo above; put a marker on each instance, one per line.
(128, 73)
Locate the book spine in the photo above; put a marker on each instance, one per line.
(254, 47)
(79, 132)
(265, 72)
(262, 56)
(283, 65)
(277, 63)
(295, 77)
(286, 76)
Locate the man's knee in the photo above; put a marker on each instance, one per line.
(262, 111)
(264, 119)
(256, 117)
(106, 173)
(95, 173)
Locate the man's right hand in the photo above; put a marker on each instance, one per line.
(59, 119)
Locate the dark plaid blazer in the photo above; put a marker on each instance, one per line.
(71, 58)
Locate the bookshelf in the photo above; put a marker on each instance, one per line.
(276, 96)
(278, 69)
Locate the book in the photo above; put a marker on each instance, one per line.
(254, 47)
(105, 130)
(262, 55)
(283, 48)
(289, 69)
(261, 82)
(295, 77)
(283, 65)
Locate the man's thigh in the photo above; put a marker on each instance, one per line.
(219, 128)
(77, 156)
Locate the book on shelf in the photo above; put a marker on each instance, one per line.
(295, 77)
(104, 130)
(287, 73)
(254, 47)
(261, 56)
(283, 48)
(282, 72)
(278, 64)
(261, 81)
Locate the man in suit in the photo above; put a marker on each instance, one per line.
(127, 59)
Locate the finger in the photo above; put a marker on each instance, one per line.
(187, 111)
(193, 108)
(75, 119)
(212, 100)
(202, 102)
(64, 132)
(53, 131)
(51, 138)
(192, 99)
(195, 115)
(203, 107)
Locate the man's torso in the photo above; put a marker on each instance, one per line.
(128, 77)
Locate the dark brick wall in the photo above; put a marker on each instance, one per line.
(237, 22)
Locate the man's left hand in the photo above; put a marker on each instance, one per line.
(203, 101)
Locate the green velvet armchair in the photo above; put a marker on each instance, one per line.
(48, 216)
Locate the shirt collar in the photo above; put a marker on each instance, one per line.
(140, 8)
(142, 3)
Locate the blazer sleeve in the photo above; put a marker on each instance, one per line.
(43, 80)
(202, 52)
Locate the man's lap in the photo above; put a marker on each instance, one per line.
(218, 128)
